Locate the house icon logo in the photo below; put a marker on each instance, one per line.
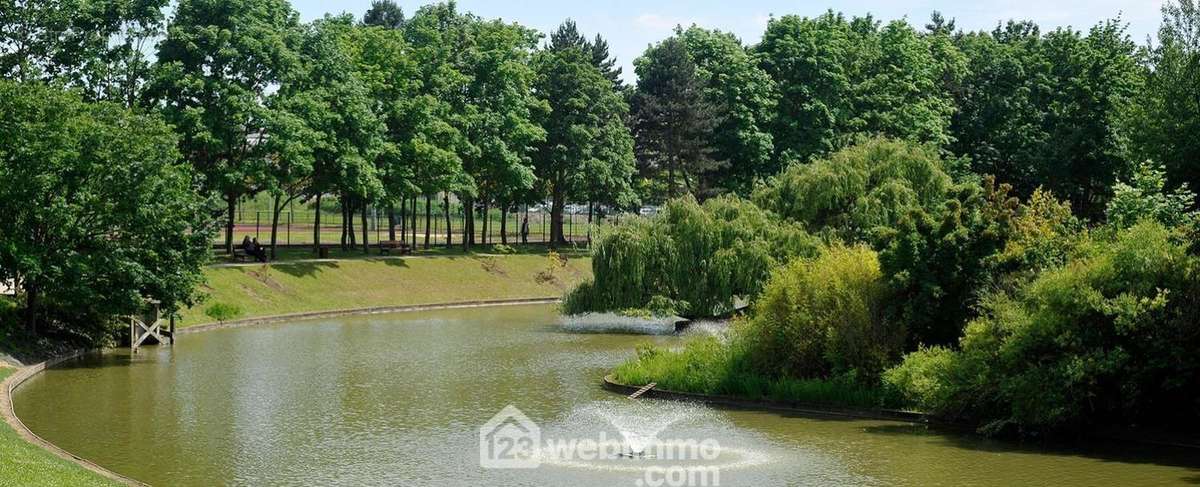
(509, 441)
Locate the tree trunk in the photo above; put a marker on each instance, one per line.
(31, 307)
(414, 222)
(317, 228)
(468, 223)
(556, 216)
(350, 224)
(449, 231)
(504, 224)
(428, 207)
(276, 209)
(231, 201)
(591, 210)
(344, 220)
(366, 241)
(403, 220)
(487, 223)
(391, 209)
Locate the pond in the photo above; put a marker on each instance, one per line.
(401, 399)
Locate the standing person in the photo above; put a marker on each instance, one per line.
(525, 230)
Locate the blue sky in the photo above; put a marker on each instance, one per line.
(630, 26)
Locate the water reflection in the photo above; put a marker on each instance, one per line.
(398, 400)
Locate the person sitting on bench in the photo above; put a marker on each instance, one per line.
(257, 251)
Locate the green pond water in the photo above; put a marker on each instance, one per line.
(400, 400)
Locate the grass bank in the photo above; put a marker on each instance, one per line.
(709, 366)
(296, 287)
(23, 463)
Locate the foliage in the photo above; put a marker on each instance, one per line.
(860, 188)
(1146, 197)
(1041, 235)
(1108, 338)
(96, 46)
(700, 258)
(840, 77)
(1048, 110)
(673, 121)
(223, 311)
(384, 13)
(824, 317)
(710, 366)
(588, 151)
(97, 210)
(213, 71)
(731, 80)
(937, 259)
(1169, 106)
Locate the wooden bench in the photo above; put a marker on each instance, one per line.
(240, 255)
(389, 246)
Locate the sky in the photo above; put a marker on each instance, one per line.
(630, 26)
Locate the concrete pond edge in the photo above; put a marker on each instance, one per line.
(22, 375)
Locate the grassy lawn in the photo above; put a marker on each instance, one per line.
(297, 287)
(22, 463)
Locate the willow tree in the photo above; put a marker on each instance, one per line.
(693, 260)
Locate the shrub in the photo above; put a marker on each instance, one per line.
(223, 311)
(1108, 338)
(936, 260)
(503, 249)
(1145, 197)
(822, 317)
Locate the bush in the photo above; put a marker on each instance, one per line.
(503, 249)
(223, 311)
(1108, 338)
(694, 259)
(824, 317)
(1146, 197)
(936, 260)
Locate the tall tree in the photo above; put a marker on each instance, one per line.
(437, 36)
(500, 105)
(384, 13)
(1049, 110)
(98, 210)
(336, 105)
(746, 95)
(96, 46)
(1170, 104)
(603, 60)
(839, 78)
(673, 120)
(588, 151)
(215, 68)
